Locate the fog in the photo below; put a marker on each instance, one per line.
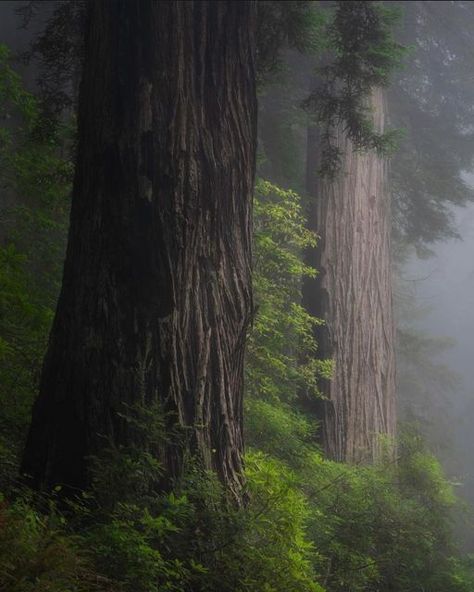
(444, 288)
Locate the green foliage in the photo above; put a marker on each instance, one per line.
(126, 547)
(277, 551)
(37, 555)
(431, 99)
(382, 527)
(121, 475)
(365, 55)
(33, 223)
(279, 430)
(191, 538)
(56, 51)
(325, 527)
(293, 24)
(281, 360)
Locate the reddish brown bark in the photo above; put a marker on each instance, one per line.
(353, 294)
(156, 294)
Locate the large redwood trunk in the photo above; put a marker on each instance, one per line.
(156, 294)
(353, 294)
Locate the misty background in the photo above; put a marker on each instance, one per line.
(443, 286)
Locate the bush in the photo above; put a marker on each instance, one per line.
(38, 555)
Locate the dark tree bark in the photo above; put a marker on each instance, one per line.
(353, 294)
(156, 296)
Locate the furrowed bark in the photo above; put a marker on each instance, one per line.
(156, 294)
(353, 294)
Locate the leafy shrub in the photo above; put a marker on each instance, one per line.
(37, 555)
(281, 345)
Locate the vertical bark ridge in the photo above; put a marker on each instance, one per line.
(353, 294)
(156, 294)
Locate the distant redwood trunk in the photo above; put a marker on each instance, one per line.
(156, 294)
(353, 294)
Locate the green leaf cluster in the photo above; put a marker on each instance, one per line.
(363, 54)
(281, 348)
(35, 180)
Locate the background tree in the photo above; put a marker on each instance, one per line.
(350, 209)
(432, 101)
(353, 295)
